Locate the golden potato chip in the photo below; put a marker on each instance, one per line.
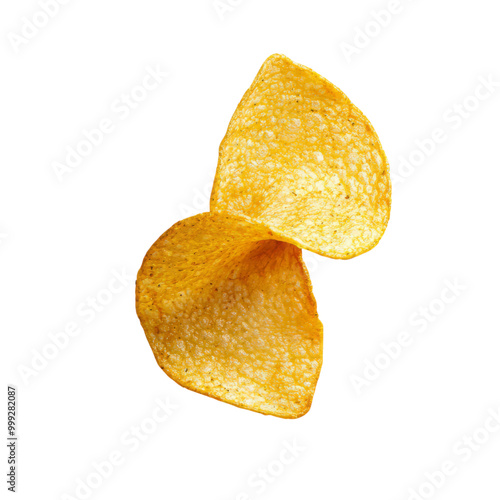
(299, 157)
(229, 312)
(224, 297)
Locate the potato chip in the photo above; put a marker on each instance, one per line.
(224, 297)
(229, 312)
(299, 157)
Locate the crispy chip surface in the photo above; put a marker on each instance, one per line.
(229, 312)
(224, 297)
(299, 157)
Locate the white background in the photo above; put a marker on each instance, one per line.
(61, 241)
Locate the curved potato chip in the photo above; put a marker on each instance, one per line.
(229, 312)
(299, 157)
(224, 297)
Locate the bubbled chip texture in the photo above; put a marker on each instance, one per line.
(229, 312)
(299, 157)
(224, 297)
